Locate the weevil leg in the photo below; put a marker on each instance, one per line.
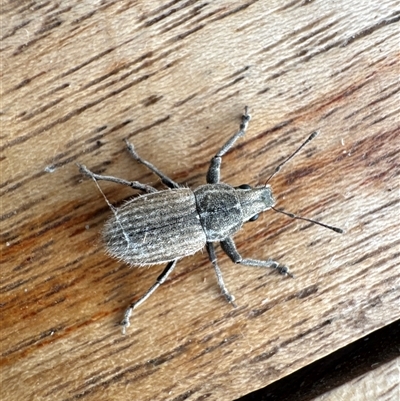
(160, 280)
(133, 184)
(229, 248)
(213, 258)
(165, 179)
(213, 174)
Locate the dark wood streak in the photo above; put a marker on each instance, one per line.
(25, 82)
(150, 13)
(179, 21)
(235, 10)
(293, 4)
(27, 116)
(234, 82)
(15, 29)
(187, 99)
(84, 17)
(295, 32)
(168, 13)
(28, 44)
(91, 60)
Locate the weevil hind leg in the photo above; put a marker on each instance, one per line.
(165, 179)
(229, 247)
(160, 280)
(133, 184)
(214, 171)
(213, 258)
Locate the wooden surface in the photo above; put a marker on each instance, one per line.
(381, 384)
(346, 370)
(78, 77)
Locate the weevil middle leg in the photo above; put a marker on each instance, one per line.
(213, 259)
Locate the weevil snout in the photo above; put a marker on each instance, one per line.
(254, 200)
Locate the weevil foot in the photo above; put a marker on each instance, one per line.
(284, 271)
(230, 298)
(125, 322)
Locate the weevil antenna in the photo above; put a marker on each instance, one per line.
(278, 168)
(113, 209)
(294, 216)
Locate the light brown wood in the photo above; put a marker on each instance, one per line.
(380, 384)
(78, 77)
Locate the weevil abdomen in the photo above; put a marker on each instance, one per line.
(155, 228)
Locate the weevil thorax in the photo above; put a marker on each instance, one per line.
(255, 200)
(219, 210)
(222, 209)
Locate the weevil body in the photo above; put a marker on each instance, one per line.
(165, 226)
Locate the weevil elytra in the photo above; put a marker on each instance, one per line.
(165, 226)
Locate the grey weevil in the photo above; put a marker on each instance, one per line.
(165, 226)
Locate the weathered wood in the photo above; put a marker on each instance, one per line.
(345, 368)
(381, 384)
(78, 77)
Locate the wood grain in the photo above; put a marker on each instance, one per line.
(78, 77)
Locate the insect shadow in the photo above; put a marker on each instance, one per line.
(165, 226)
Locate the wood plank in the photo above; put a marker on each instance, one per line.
(343, 370)
(381, 384)
(78, 77)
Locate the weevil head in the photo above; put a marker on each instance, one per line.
(254, 200)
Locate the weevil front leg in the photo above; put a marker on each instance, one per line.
(160, 280)
(165, 179)
(213, 258)
(133, 184)
(229, 248)
(213, 174)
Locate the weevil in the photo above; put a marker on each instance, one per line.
(165, 226)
